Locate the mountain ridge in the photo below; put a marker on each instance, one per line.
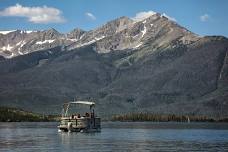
(118, 34)
(153, 66)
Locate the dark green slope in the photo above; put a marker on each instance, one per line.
(179, 80)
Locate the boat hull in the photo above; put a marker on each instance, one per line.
(80, 125)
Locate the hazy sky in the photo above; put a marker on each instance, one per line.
(204, 17)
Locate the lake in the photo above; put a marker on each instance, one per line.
(116, 136)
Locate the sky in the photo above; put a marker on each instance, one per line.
(203, 17)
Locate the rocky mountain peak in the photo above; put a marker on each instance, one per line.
(51, 31)
(50, 34)
(77, 30)
(75, 34)
(117, 25)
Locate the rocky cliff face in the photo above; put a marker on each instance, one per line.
(120, 34)
(151, 65)
(15, 43)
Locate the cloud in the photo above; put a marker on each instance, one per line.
(90, 16)
(170, 18)
(204, 17)
(40, 15)
(143, 15)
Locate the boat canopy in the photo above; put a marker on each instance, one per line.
(83, 102)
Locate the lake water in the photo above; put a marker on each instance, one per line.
(115, 136)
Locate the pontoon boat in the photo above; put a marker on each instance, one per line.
(77, 122)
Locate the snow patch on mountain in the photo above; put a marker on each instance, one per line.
(21, 43)
(21, 53)
(6, 32)
(86, 43)
(25, 31)
(137, 46)
(90, 42)
(144, 30)
(43, 42)
(10, 56)
(8, 48)
(99, 38)
(73, 40)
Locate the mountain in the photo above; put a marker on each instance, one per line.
(120, 34)
(150, 65)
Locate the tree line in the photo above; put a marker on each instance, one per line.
(164, 118)
(8, 114)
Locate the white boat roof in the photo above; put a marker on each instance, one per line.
(83, 102)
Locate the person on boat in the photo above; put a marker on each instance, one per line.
(75, 116)
(92, 115)
(87, 114)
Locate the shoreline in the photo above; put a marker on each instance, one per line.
(8, 114)
(151, 117)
